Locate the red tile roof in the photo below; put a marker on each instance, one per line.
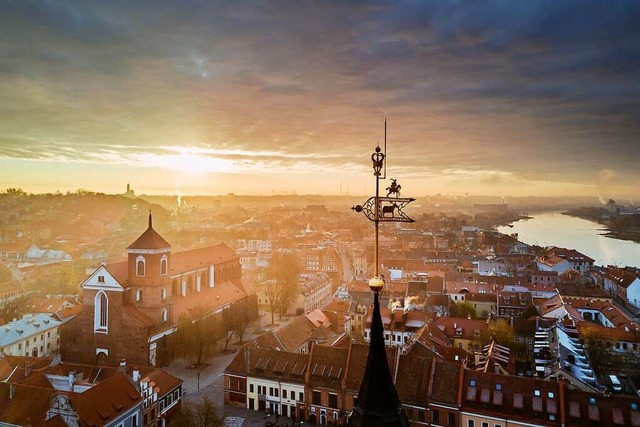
(27, 406)
(150, 239)
(106, 400)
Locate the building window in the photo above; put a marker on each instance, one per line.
(471, 423)
(250, 388)
(284, 393)
(140, 266)
(163, 266)
(101, 312)
(485, 424)
(164, 293)
(333, 400)
(139, 295)
(435, 416)
(165, 315)
(100, 279)
(316, 397)
(301, 397)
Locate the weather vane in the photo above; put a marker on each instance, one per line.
(378, 404)
(383, 209)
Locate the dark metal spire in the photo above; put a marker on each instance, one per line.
(150, 220)
(378, 403)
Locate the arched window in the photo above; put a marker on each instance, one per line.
(163, 266)
(184, 288)
(164, 293)
(198, 279)
(212, 276)
(101, 313)
(165, 315)
(139, 295)
(140, 266)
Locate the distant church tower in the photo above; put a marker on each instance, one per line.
(149, 261)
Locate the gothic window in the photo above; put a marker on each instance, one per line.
(140, 266)
(101, 312)
(163, 266)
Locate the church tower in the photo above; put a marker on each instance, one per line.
(149, 263)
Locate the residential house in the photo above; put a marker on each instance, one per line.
(33, 335)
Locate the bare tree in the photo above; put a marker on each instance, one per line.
(193, 338)
(199, 414)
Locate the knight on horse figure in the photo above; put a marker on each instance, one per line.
(394, 188)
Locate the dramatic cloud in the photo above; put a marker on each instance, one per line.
(500, 96)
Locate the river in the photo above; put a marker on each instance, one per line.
(555, 229)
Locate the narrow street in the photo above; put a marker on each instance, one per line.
(207, 380)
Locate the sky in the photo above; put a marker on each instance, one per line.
(270, 97)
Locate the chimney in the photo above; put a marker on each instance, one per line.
(136, 375)
(123, 366)
(72, 379)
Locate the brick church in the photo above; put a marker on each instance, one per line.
(131, 308)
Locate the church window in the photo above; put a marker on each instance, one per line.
(163, 266)
(139, 295)
(101, 312)
(140, 266)
(164, 293)
(100, 279)
(165, 315)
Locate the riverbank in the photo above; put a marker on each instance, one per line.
(621, 227)
(591, 238)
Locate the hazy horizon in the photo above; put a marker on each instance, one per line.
(499, 98)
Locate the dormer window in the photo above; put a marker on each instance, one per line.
(140, 266)
(163, 266)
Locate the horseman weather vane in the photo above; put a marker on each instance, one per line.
(378, 404)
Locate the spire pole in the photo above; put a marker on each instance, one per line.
(150, 220)
(378, 404)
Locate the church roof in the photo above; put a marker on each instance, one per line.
(150, 239)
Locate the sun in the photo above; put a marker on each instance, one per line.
(190, 161)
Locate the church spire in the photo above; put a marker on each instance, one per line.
(378, 404)
(150, 220)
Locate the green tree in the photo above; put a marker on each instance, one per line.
(599, 349)
(500, 331)
(530, 312)
(197, 335)
(199, 414)
(462, 309)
